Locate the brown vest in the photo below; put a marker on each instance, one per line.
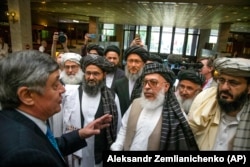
(154, 138)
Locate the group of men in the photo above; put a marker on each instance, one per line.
(96, 106)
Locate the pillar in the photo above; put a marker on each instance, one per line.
(223, 35)
(20, 30)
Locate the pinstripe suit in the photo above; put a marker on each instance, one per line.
(22, 143)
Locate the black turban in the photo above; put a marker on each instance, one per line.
(96, 47)
(137, 50)
(100, 61)
(159, 68)
(192, 76)
(112, 48)
(156, 58)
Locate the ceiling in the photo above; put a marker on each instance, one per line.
(202, 14)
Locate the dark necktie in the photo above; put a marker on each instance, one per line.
(52, 140)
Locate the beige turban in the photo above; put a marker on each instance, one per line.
(233, 66)
(71, 57)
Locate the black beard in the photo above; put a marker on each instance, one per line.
(92, 90)
(233, 106)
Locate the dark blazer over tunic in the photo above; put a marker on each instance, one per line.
(22, 143)
(122, 90)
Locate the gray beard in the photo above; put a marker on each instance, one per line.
(152, 105)
(92, 90)
(132, 77)
(185, 103)
(72, 79)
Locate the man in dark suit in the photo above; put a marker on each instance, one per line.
(135, 57)
(30, 93)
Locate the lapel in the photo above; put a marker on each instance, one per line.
(21, 119)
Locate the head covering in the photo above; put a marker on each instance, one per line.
(175, 131)
(233, 66)
(71, 57)
(192, 76)
(97, 60)
(159, 68)
(137, 50)
(112, 48)
(156, 58)
(96, 47)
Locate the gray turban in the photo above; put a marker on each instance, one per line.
(159, 68)
(137, 50)
(100, 61)
(192, 76)
(233, 66)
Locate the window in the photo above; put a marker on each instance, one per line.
(213, 36)
(178, 41)
(108, 29)
(192, 42)
(166, 40)
(154, 41)
(128, 35)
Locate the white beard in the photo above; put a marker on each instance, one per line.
(151, 105)
(185, 103)
(72, 79)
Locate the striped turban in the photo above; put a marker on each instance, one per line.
(159, 68)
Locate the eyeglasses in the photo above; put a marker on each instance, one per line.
(73, 67)
(151, 82)
(130, 61)
(95, 74)
(232, 83)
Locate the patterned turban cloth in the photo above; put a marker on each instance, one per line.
(192, 76)
(233, 66)
(159, 68)
(144, 54)
(175, 131)
(100, 61)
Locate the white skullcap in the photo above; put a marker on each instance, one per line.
(71, 57)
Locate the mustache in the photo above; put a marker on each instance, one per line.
(226, 93)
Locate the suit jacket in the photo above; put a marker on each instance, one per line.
(122, 90)
(24, 144)
(119, 73)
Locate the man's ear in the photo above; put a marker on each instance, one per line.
(167, 86)
(25, 95)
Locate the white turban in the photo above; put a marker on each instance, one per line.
(71, 57)
(233, 66)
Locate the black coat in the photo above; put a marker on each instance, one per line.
(22, 143)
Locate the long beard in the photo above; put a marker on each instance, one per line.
(185, 103)
(233, 106)
(132, 77)
(72, 79)
(92, 89)
(152, 105)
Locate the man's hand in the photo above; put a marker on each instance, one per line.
(55, 37)
(95, 126)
